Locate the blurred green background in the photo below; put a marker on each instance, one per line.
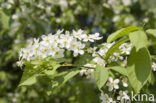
(22, 20)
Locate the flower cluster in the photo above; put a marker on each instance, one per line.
(124, 50)
(113, 84)
(55, 45)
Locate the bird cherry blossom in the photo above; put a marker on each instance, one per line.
(112, 84)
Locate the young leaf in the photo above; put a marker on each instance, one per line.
(121, 33)
(28, 77)
(66, 76)
(70, 74)
(138, 39)
(101, 76)
(4, 19)
(115, 47)
(139, 68)
(119, 69)
(152, 32)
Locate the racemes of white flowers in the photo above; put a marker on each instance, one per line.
(112, 84)
(56, 44)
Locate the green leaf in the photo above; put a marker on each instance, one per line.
(115, 47)
(139, 68)
(121, 33)
(119, 69)
(70, 74)
(151, 79)
(5, 19)
(101, 76)
(66, 76)
(28, 77)
(138, 39)
(152, 32)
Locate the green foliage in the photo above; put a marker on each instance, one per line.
(101, 76)
(28, 77)
(121, 33)
(5, 20)
(119, 69)
(152, 32)
(36, 68)
(138, 39)
(66, 76)
(139, 68)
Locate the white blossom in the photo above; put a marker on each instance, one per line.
(154, 66)
(55, 45)
(125, 82)
(123, 96)
(112, 84)
(106, 99)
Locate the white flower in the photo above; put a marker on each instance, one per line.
(125, 48)
(90, 73)
(99, 61)
(54, 39)
(77, 47)
(53, 50)
(44, 51)
(59, 53)
(83, 72)
(118, 56)
(79, 34)
(112, 84)
(124, 82)
(27, 54)
(154, 66)
(92, 50)
(123, 96)
(59, 32)
(20, 63)
(65, 41)
(87, 38)
(126, 2)
(105, 98)
(87, 71)
(90, 65)
(95, 36)
(45, 40)
(36, 41)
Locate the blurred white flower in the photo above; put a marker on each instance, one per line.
(19, 63)
(154, 66)
(125, 82)
(123, 96)
(126, 2)
(106, 99)
(95, 36)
